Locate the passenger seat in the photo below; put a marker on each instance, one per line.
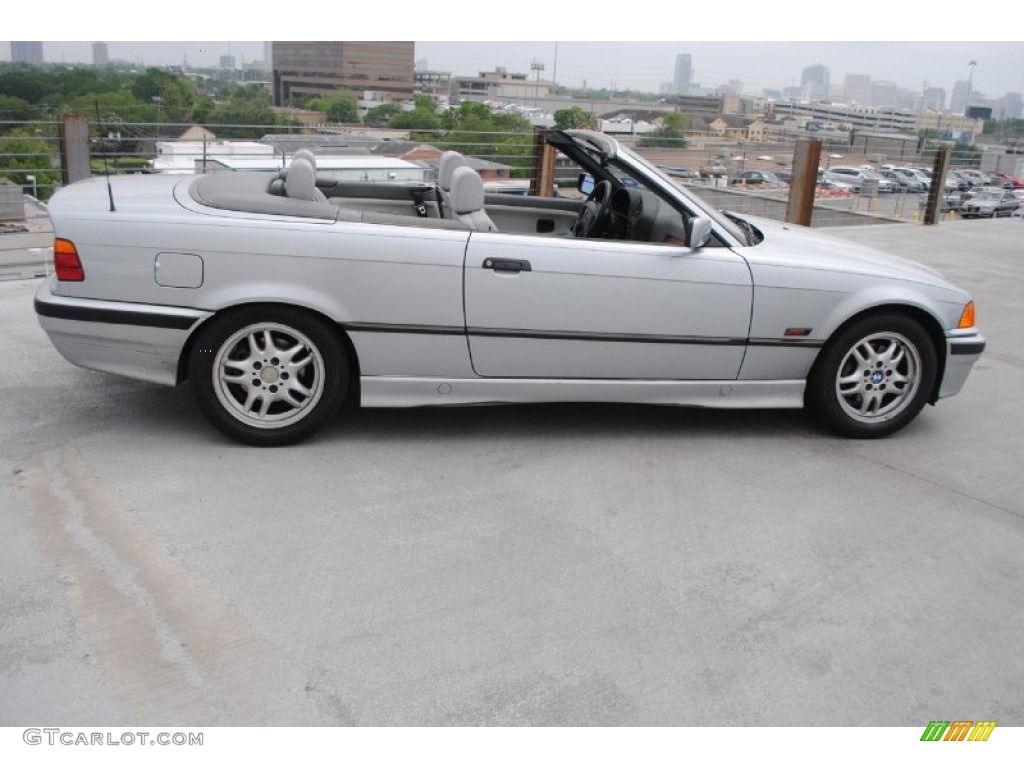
(467, 200)
(300, 183)
(450, 160)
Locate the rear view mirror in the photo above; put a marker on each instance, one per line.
(700, 231)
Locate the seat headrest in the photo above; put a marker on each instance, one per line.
(450, 160)
(308, 154)
(467, 192)
(301, 180)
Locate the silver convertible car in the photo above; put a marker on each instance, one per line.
(281, 295)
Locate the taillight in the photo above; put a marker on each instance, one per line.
(66, 262)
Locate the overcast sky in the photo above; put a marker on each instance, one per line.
(758, 57)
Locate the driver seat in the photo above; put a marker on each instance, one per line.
(467, 200)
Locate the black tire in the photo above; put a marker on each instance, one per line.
(268, 376)
(874, 377)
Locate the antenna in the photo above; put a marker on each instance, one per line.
(106, 165)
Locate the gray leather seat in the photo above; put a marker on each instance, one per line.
(450, 160)
(306, 153)
(467, 200)
(300, 183)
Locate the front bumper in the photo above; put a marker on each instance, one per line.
(140, 341)
(963, 348)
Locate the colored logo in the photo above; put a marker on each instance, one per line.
(958, 730)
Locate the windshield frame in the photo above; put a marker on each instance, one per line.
(601, 149)
(689, 197)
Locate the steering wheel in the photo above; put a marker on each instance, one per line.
(596, 211)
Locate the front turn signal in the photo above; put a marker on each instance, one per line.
(967, 316)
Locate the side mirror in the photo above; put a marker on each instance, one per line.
(700, 231)
(585, 183)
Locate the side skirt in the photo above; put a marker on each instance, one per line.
(408, 391)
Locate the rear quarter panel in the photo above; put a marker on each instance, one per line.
(349, 272)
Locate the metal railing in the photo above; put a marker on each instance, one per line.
(30, 157)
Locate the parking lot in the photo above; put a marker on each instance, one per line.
(541, 565)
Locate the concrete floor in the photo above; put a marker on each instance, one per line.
(580, 565)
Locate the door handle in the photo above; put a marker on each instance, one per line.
(507, 265)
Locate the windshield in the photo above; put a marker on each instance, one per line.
(703, 205)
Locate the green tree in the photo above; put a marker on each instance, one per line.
(174, 95)
(381, 115)
(423, 117)
(472, 129)
(339, 106)
(27, 83)
(119, 106)
(671, 132)
(22, 155)
(575, 117)
(14, 109)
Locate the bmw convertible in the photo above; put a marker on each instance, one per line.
(281, 295)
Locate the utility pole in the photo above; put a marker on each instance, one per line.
(554, 72)
(537, 67)
(967, 103)
(970, 84)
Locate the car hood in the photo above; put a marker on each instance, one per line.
(792, 245)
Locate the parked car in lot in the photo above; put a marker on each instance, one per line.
(683, 174)
(829, 180)
(971, 178)
(906, 182)
(950, 201)
(757, 178)
(832, 188)
(1005, 180)
(864, 174)
(990, 202)
(278, 297)
(1019, 194)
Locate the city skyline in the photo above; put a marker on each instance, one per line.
(647, 65)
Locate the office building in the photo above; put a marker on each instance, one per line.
(27, 53)
(935, 99)
(683, 74)
(100, 55)
(313, 68)
(815, 82)
(857, 89)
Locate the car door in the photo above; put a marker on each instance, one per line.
(570, 308)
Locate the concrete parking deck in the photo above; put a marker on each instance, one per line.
(580, 565)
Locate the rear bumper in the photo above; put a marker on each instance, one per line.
(140, 341)
(963, 348)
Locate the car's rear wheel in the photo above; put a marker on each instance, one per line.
(874, 377)
(268, 375)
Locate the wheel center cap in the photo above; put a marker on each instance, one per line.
(269, 375)
(877, 377)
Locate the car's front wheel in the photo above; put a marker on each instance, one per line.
(268, 376)
(874, 377)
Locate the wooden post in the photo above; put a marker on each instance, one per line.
(806, 157)
(74, 148)
(933, 208)
(543, 166)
